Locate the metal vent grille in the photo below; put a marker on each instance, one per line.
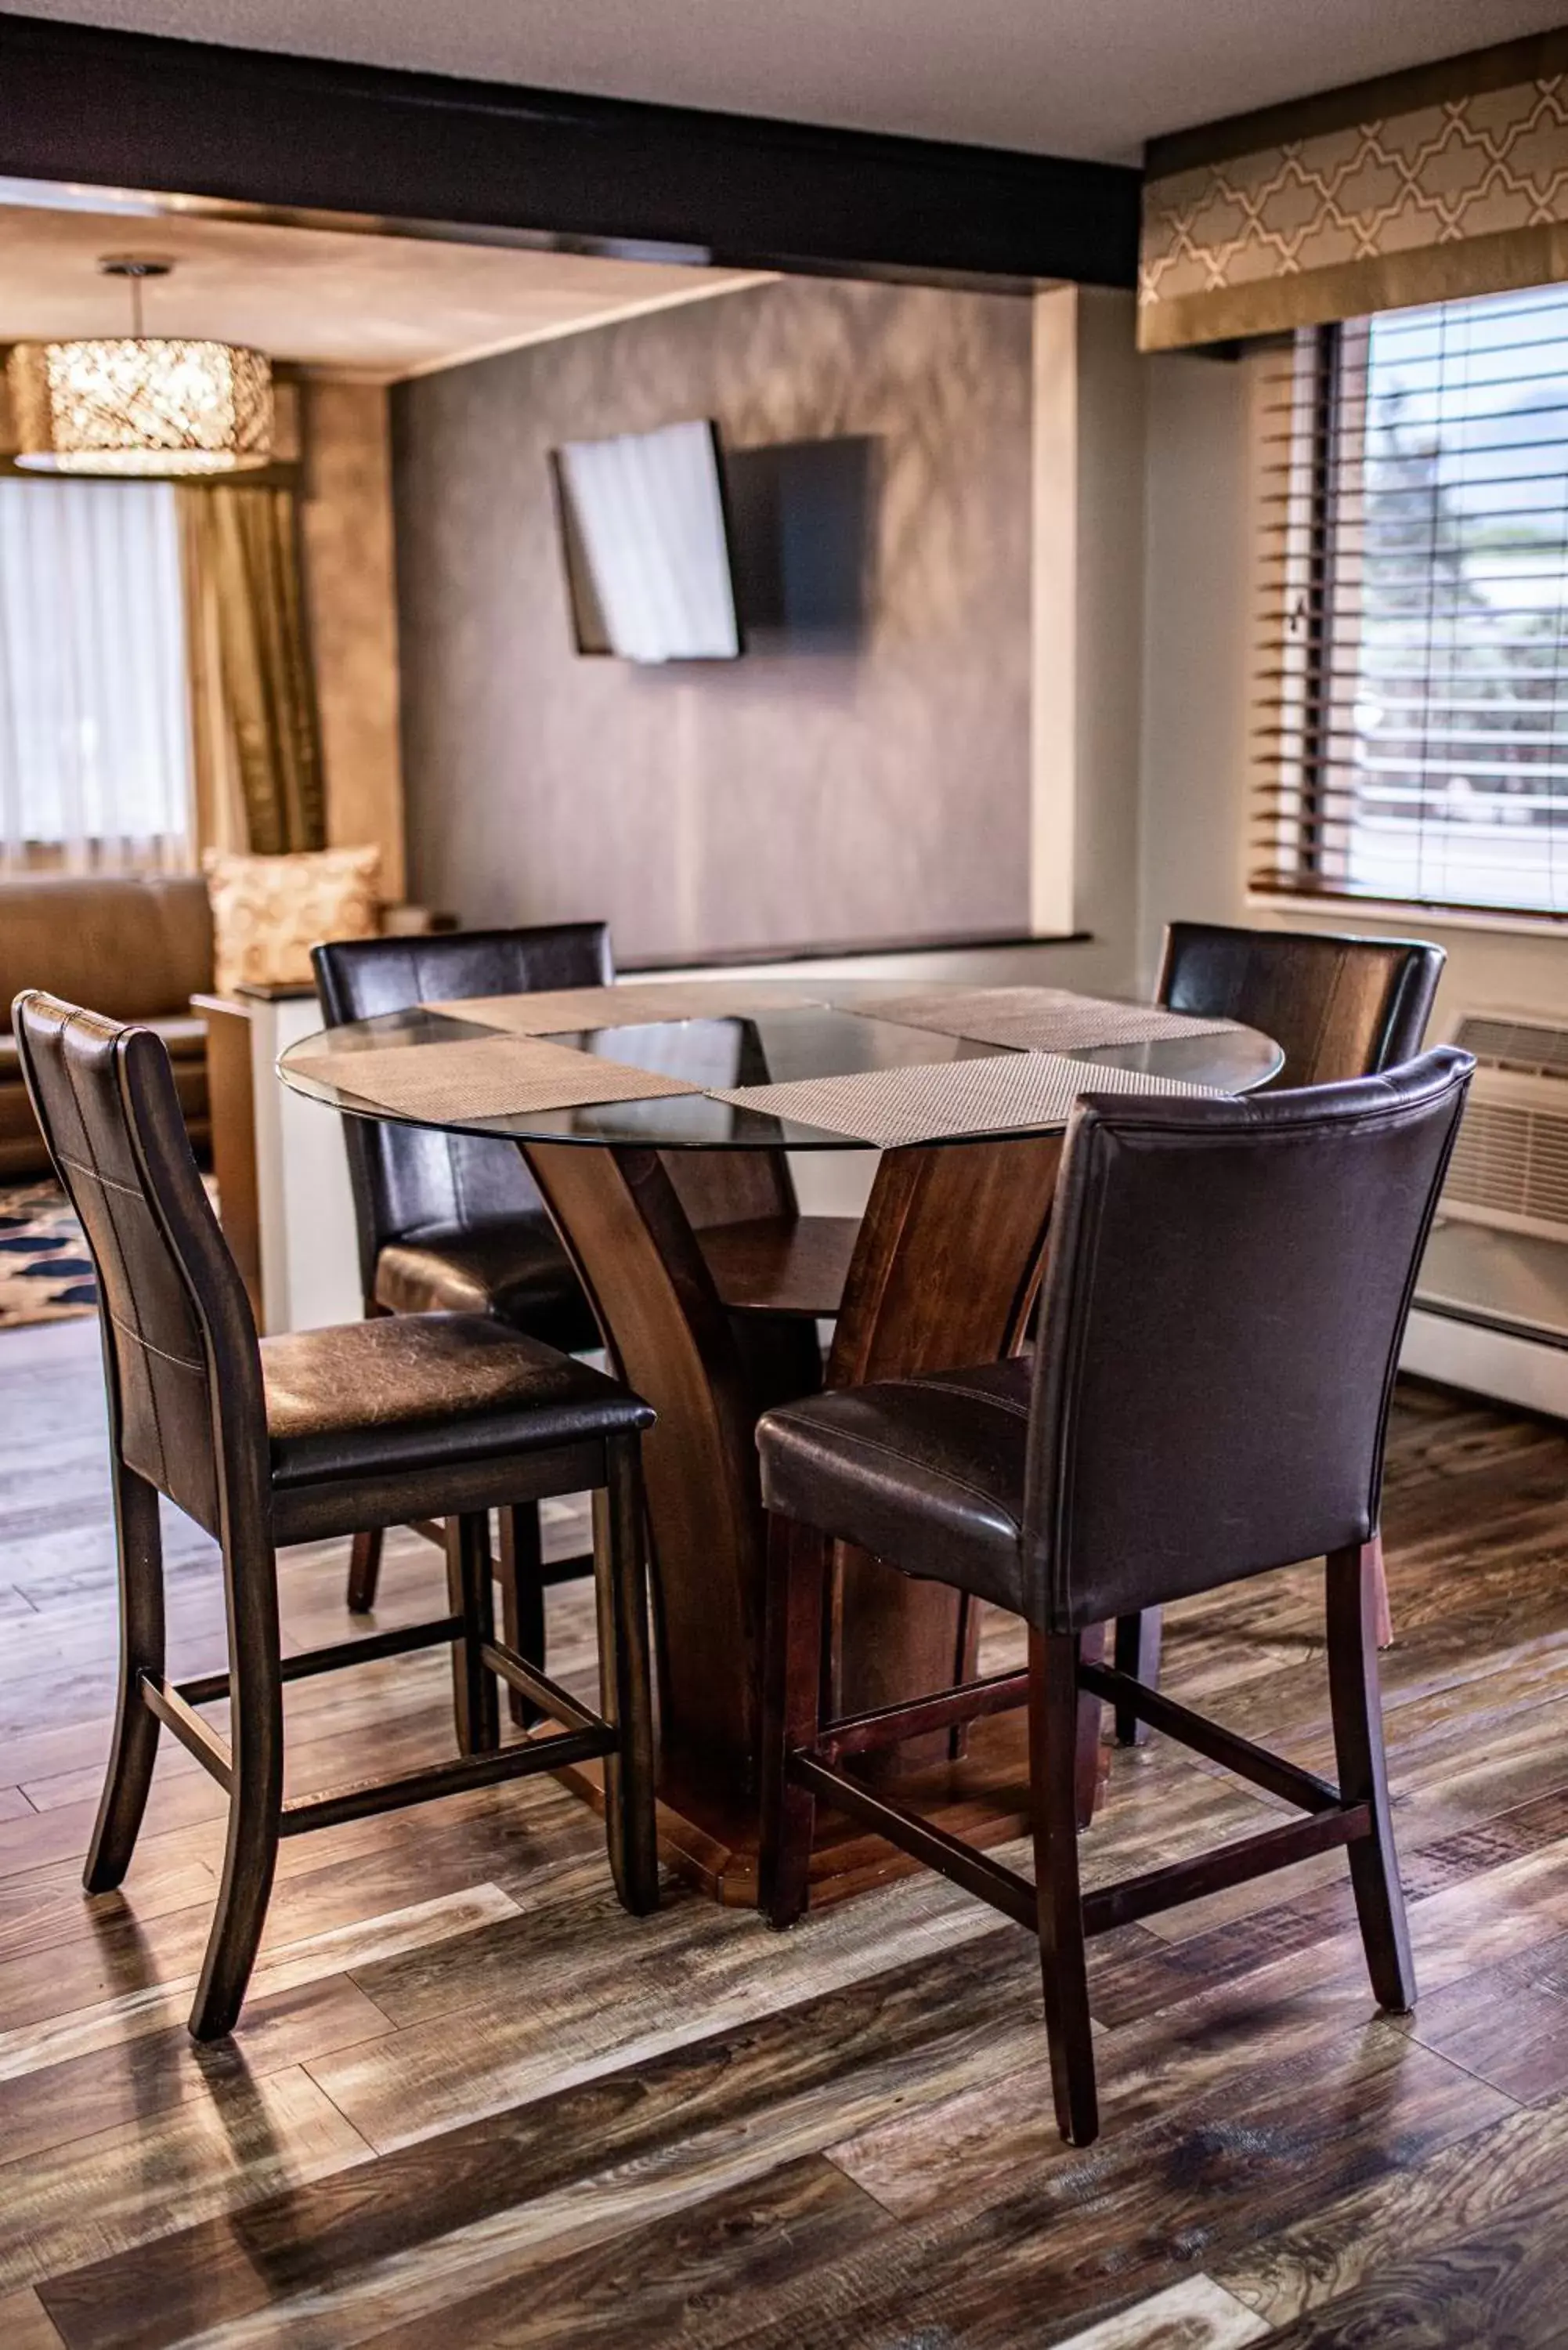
(1511, 1165)
(1536, 1048)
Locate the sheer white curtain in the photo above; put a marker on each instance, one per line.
(95, 730)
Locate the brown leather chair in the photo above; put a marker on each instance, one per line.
(453, 1223)
(1204, 1405)
(1340, 1008)
(300, 1438)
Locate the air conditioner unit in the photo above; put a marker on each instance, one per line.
(1510, 1167)
(1492, 1305)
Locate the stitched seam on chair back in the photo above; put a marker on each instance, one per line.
(179, 1362)
(110, 1191)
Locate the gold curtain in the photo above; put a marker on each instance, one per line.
(254, 734)
(1430, 186)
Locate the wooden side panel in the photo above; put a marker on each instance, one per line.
(945, 1273)
(232, 1097)
(633, 1244)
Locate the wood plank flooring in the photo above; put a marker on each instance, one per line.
(471, 2101)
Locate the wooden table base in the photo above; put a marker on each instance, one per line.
(943, 1273)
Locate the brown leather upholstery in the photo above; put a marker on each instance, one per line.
(325, 1433)
(419, 1391)
(194, 1388)
(1341, 1007)
(928, 1472)
(177, 1326)
(138, 946)
(515, 1270)
(455, 1221)
(1227, 1292)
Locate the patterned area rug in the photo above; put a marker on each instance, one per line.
(46, 1273)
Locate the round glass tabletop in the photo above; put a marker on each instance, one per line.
(758, 1038)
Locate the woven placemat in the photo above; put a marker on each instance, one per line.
(1040, 1019)
(928, 1102)
(489, 1076)
(560, 1010)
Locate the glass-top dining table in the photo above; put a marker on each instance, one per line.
(657, 1120)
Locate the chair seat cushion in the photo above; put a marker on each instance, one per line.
(514, 1269)
(425, 1392)
(926, 1473)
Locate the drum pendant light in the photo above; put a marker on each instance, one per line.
(140, 404)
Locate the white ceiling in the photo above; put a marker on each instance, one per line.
(1090, 78)
(373, 306)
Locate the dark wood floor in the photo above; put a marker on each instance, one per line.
(472, 2103)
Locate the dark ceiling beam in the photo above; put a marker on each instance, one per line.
(299, 134)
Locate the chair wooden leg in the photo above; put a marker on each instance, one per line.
(365, 1569)
(626, 1686)
(1137, 1646)
(791, 1712)
(1380, 1592)
(1356, 1701)
(475, 1710)
(139, 1548)
(523, 1596)
(1086, 1755)
(250, 1858)
(1053, 1719)
(255, 1797)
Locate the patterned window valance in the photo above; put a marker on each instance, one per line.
(1426, 187)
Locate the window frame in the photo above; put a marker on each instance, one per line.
(1300, 838)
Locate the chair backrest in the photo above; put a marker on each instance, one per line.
(1227, 1292)
(1341, 1007)
(407, 1182)
(180, 1342)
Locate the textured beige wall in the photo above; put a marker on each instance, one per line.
(791, 796)
(1088, 541)
(345, 520)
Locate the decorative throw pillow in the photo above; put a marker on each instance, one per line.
(269, 912)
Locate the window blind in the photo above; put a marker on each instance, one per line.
(1412, 681)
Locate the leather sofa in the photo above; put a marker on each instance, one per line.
(131, 947)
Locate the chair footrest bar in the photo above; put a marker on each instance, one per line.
(965, 1863)
(889, 1725)
(336, 1658)
(567, 1570)
(1270, 1771)
(174, 1711)
(546, 1694)
(455, 1778)
(1110, 1906)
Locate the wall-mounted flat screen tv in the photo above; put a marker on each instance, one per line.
(647, 545)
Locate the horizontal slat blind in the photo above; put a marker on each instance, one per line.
(1413, 651)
